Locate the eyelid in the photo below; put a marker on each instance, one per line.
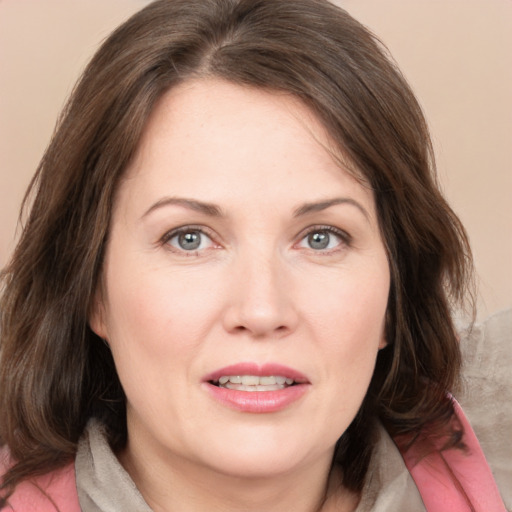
(169, 235)
(346, 238)
(340, 233)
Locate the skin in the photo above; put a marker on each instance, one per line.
(255, 290)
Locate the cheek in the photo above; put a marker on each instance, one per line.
(158, 312)
(351, 306)
(349, 321)
(156, 326)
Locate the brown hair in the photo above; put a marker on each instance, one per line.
(55, 373)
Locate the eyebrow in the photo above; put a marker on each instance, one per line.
(209, 209)
(323, 205)
(213, 210)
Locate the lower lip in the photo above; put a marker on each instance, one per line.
(258, 401)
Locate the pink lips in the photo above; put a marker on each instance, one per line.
(257, 401)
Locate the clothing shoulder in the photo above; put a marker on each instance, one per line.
(53, 492)
(487, 392)
(452, 479)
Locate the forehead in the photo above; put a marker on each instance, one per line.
(210, 136)
(203, 109)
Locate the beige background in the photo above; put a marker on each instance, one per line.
(457, 54)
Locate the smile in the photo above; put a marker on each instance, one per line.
(253, 388)
(254, 382)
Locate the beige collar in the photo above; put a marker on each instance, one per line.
(104, 486)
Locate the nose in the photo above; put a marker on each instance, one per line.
(261, 299)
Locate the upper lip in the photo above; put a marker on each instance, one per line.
(259, 370)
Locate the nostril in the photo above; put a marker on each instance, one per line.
(261, 331)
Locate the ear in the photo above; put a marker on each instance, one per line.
(97, 315)
(383, 343)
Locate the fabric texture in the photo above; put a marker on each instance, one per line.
(104, 486)
(452, 479)
(389, 487)
(54, 492)
(486, 396)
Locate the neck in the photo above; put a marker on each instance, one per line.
(172, 484)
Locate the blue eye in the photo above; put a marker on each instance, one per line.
(189, 240)
(323, 239)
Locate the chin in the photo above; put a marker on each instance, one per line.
(258, 466)
(258, 455)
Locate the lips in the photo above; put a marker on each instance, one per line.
(248, 387)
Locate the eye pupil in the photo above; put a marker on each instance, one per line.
(318, 240)
(189, 241)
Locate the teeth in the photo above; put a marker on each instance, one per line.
(254, 382)
(241, 387)
(250, 380)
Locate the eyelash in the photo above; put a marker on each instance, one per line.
(181, 231)
(346, 239)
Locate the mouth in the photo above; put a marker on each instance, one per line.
(253, 388)
(253, 383)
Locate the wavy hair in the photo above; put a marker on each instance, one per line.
(55, 373)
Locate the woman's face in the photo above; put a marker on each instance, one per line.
(244, 287)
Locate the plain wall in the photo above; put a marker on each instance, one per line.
(457, 55)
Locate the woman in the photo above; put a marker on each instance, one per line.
(235, 281)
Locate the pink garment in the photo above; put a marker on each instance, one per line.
(454, 480)
(54, 492)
